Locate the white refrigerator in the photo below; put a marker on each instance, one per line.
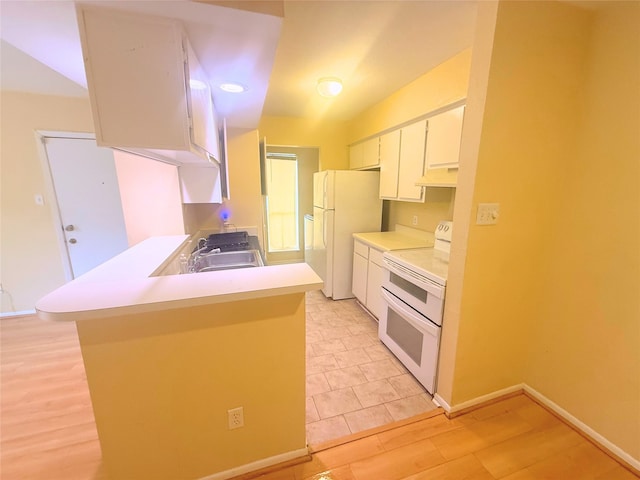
(344, 202)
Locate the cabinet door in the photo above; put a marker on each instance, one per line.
(412, 151)
(371, 154)
(359, 285)
(136, 79)
(389, 163)
(204, 128)
(443, 139)
(375, 303)
(356, 156)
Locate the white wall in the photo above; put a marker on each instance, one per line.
(150, 192)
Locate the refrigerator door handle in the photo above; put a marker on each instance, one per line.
(324, 228)
(324, 192)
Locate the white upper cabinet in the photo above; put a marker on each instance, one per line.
(371, 157)
(365, 155)
(443, 139)
(356, 156)
(402, 162)
(389, 164)
(412, 151)
(203, 128)
(146, 86)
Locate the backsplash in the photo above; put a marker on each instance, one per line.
(201, 216)
(438, 205)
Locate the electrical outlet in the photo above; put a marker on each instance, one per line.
(488, 213)
(415, 220)
(236, 418)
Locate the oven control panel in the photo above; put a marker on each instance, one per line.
(443, 234)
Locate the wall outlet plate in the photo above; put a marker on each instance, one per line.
(488, 213)
(235, 417)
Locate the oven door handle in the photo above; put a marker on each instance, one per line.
(420, 323)
(424, 283)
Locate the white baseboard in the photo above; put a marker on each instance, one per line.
(22, 313)
(584, 428)
(440, 402)
(554, 407)
(253, 466)
(478, 400)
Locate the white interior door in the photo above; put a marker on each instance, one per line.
(88, 197)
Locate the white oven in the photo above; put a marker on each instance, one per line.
(413, 289)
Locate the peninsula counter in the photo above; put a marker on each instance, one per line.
(167, 357)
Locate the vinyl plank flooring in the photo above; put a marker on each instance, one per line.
(48, 432)
(525, 450)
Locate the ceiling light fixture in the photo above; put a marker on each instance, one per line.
(233, 87)
(329, 87)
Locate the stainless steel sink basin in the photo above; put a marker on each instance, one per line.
(227, 260)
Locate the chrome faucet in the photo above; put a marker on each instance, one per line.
(195, 256)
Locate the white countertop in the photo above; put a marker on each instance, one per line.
(122, 285)
(397, 240)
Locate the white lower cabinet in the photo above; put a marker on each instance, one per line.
(359, 286)
(367, 277)
(375, 303)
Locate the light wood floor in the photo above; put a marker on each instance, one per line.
(48, 431)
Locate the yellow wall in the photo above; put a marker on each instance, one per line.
(161, 384)
(547, 297)
(445, 84)
(437, 206)
(329, 137)
(587, 335)
(31, 262)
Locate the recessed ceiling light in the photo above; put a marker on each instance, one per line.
(329, 86)
(233, 87)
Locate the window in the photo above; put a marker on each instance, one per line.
(282, 202)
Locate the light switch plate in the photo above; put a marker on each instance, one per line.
(488, 213)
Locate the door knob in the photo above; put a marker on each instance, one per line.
(69, 228)
(73, 240)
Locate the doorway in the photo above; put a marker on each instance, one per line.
(289, 185)
(85, 198)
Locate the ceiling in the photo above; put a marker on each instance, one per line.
(375, 47)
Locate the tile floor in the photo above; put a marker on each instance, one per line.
(353, 381)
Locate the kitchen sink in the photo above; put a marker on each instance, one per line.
(226, 260)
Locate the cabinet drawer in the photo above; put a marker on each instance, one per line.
(375, 256)
(361, 249)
